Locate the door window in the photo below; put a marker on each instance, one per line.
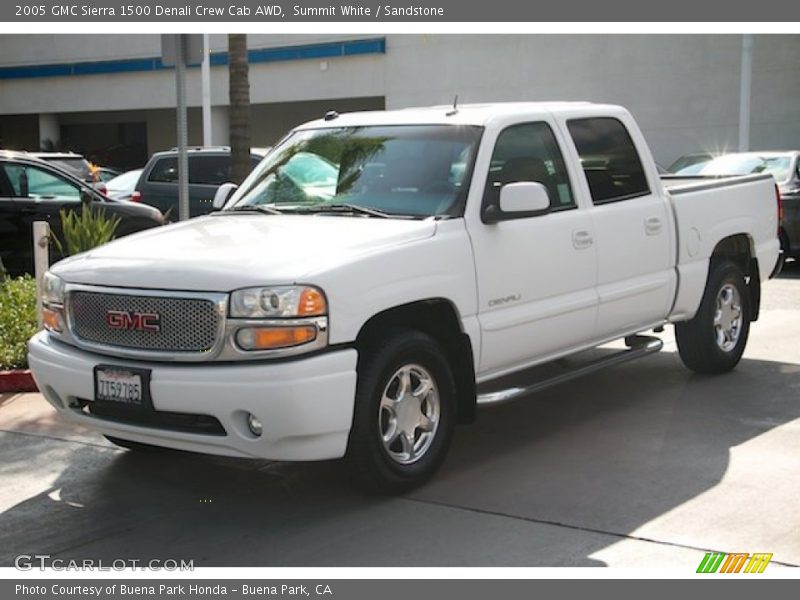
(164, 171)
(203, 169)
(38, 184)
(529, 152)
(210, 170)
(609, 159)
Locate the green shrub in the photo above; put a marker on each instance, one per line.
(85, 230)
(17, 320)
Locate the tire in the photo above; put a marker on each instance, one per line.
(713, 343)
(418, 431)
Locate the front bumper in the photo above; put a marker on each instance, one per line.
(305, 405)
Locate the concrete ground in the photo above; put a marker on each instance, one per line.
(643, 465)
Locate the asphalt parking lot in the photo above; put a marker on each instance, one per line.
(643, 465)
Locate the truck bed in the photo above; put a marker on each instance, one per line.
(709, 209)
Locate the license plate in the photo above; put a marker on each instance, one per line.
(122, 385)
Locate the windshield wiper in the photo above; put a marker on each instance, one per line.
(253, 208)
(351, 208)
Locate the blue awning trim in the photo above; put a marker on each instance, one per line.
(256, 56)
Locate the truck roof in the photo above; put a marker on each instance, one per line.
(463, 114)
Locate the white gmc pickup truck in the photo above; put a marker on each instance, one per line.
(378, 272)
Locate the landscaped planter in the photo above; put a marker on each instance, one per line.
(18, 380)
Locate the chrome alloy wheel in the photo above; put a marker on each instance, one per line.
(408, 416)
(728, 317)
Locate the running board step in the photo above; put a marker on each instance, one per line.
(639, 347)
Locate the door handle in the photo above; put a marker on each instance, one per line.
(582, 239)
(653, 225)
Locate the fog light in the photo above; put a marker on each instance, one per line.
(254, 424)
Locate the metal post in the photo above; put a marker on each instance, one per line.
(183, 159)
(41, 261)
(745, 84)
(205, 80)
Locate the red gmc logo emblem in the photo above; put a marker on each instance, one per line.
(134, 321)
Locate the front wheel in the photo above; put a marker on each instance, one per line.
(404, 413)
(714, 340)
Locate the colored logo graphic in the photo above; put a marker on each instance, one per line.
(719, 562)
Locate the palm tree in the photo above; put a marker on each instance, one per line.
(239, 96)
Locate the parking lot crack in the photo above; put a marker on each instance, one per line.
(583, 528)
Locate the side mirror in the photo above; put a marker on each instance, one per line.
(517, 200)
(86, 197)
(223, 194)
(524, 197)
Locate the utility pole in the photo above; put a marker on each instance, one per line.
(205, 80)
(745, 85)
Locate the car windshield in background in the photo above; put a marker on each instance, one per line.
(743, 164)
(77, 166)
(403, 170)
(689, 160)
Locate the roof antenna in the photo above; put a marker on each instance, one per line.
(454, 111)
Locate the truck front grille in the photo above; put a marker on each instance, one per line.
(146, 323)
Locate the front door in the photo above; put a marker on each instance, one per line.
(536, 273)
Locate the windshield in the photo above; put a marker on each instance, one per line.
(743, 164)
(408, 170)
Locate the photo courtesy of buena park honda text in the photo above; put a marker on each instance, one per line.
(413, 300)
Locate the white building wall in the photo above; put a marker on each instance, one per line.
(684, 90)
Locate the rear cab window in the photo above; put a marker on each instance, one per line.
(609, 158)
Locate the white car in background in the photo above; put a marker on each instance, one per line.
(122, 186)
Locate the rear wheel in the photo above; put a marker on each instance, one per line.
(404, 414)
(714, 340)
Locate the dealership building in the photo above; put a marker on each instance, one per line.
(110, 97)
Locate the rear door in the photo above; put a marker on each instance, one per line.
(535, 273)
(635, 278)
(206, 173)
(158, 185)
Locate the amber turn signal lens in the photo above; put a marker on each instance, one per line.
(312, 303)
(270, 338)
(51, 319)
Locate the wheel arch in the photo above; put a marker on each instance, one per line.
(740, 249)
(439, 318)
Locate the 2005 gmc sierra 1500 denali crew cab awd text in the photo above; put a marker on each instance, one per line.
(377, 271)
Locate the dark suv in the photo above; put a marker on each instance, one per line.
(209, 168)
(34, 190)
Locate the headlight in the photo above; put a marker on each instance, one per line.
(277, 302)
(53, 303)
(53, 289)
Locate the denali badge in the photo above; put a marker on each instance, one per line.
(506, 300)
(136, 321)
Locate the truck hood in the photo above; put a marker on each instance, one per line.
(222, 253)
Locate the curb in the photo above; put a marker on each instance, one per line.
(19, 380)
